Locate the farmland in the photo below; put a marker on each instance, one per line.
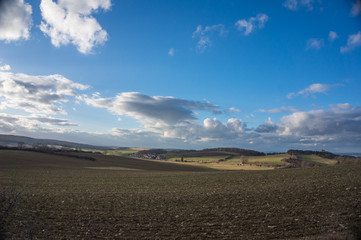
(243, 159)
(60, 197)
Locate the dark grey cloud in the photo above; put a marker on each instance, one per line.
(332, 124)
(53, 121)
(267, 128)
(152, 109)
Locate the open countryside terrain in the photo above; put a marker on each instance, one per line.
(95, 196)
(243, 159)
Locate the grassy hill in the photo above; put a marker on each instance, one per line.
(47, 196)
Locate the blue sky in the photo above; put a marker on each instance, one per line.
(265, 75)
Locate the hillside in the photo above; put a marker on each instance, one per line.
(16, 159)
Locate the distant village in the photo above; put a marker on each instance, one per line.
(154, 156)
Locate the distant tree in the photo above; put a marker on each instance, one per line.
(293, 156)
(244, 159)
(21, 145)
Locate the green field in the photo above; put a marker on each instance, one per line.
(114, 197)
(110, 152)
(317, 160)
(119, 152)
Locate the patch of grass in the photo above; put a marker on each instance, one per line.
(119, 152)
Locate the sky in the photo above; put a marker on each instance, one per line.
(262, 75)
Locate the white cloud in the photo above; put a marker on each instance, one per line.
(279, 110)
(203, 35)
(210, 130)
(332, 36)
(171, 52)
(232, 109)
(291, 4)
(15, 20)
(314, 43)
(356, 8)
(353, 41)
(340, 106)
(312, 89)
(5, 67)
(71, 22)
(41, 94)
(250, 25)
(251, 116)
(295, 5)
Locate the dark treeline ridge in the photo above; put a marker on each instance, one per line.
(202, 153)
(240, 151)
(323, 154)
(227, 152)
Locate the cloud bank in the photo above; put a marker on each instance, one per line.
(71, 22)
(167, 121)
